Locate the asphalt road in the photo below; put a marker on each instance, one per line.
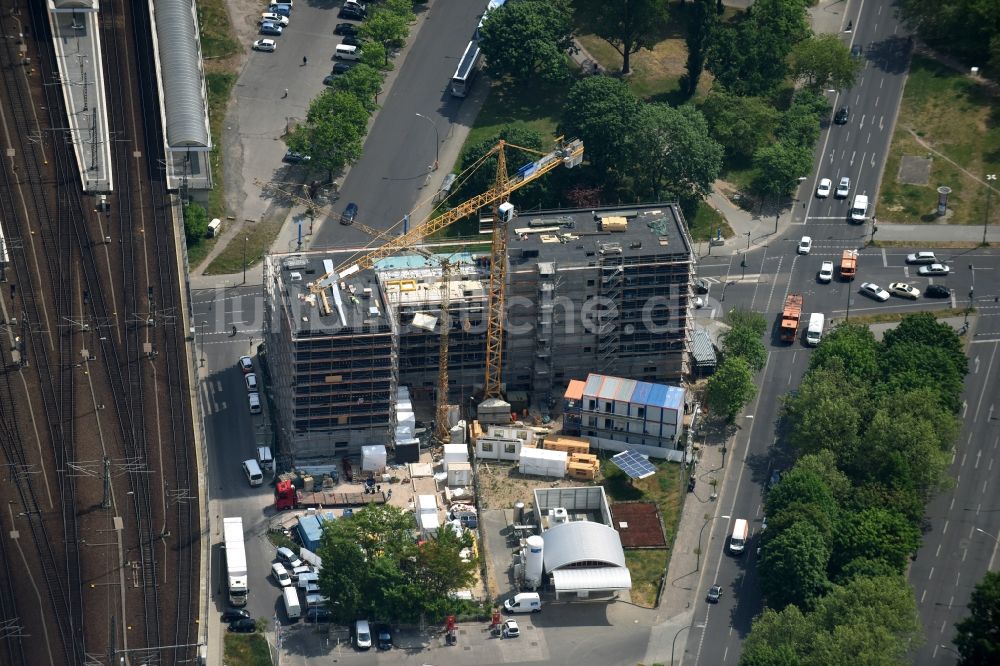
(401, 147)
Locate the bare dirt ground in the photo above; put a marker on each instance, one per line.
(501, 485)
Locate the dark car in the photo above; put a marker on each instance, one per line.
(293, 157)
(856, 51)
(349, 214)
(937, 291)
(346, 29)
(843, 113)
(349, 13)
(774, 480)
(701, 286)
(244, 625)
(714, 594)
(233, 614)
(350, 40)
(319, 615)
(383, 637)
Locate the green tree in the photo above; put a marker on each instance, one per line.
(702, 22)
(627, 25)
(968, 29)
(754, 321)
(824, 61)
(874, 534)
(730, 388)
(823, 464)
(740, 124)
(803, 495)
(744, 342)
(484, 176)
(674, 153)
(401, 8)
(748, 57)
(364, 82)
(800, 123)
(333, 131)
(601, 110)
(195, 223)
(527, 40)
(825, 413)
(779, 166)
(793, 567)
(978, 637)
(384, 27)
(909, 365)
(376, 56)
(778, 638)
(851, 347)
(924, 328)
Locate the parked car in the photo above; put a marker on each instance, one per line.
(251, 382)
(922, 257)
(774, 479)
(350, 13)
(856, 51)
(253, 399)
(319, 615)
(287, 557)
(937, 291)
(510, 629)
(714, 594)
(350, 40)
(362, 635)
(805, 245)
(270, 28)
(246, 364)
(701, 286)
(274, 17)
(349, 214)
(842, 115)
(874, 291)
(383, 637)
(826, 271)
(292, 157)
(244, 625)
(264, 45)
(233, 614)
(934, 269)
(823, 191)
(844, 188)
(280, 574)
(904, 290)
(346, 29)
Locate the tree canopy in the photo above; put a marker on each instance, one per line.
(379, 570)
(333, 130)
(601, 111)
(627, 25)
(527, 40)
(484, 176)
(824, 61)
(978, 637)
(741, 124)
(969, 29)
(730, 388)
(794, 566)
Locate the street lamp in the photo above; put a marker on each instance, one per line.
(244, 260)
(972, 293)
(697, 566)
(673, 643)
(777, 203)
(990, 178)
(437, 139)
(989, 535)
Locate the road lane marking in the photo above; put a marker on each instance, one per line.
(885, 259)
(983, 393)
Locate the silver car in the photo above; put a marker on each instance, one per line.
(874, 291)
(844, 188)
(934, 269)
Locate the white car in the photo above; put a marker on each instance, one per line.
(934, 269)
(280, 575)
(844, 188)
(264, 45)
(904, 290)
(254, 400)
(826, 271)
(246, 364)
(510, 629)
(923, 257)
(874, 291)
(274, 18)
(286, 556)
(251, 382)
(825, 185)
(805, 245)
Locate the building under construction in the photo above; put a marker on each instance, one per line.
(605, 290)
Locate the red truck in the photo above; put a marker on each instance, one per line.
(790, 316)
(286, 496)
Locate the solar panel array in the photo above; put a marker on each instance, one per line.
(633, 464)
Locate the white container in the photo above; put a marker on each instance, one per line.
(373, 458)
(534, 548)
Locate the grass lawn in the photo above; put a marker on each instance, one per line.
(247, 650)
(956, 118)
(219, 85)
(705, 223)
(667, 490)
(217, 39)
(535, 106)
(259, 235)
(890, 317)
(197, 253)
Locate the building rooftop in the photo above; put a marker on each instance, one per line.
(582, 236)
(636, 392)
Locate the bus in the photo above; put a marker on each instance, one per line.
(493, 4)
(468, 67)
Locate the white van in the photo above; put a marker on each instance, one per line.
(252, 470)
(292, 606)
(815, 331)
(307, 580)
(214, 227)
(264, 458)
(345, 52)
(859, 211)
(524, 602)
(362, 635)
(738, 541)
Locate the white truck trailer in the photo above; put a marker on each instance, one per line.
(236, 561)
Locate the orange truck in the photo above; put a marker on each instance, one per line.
(848, 264)
(790, 317)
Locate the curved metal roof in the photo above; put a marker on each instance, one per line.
(75, 4)
(581, 541)
(180, 71)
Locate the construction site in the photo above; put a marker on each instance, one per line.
(484, 329)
